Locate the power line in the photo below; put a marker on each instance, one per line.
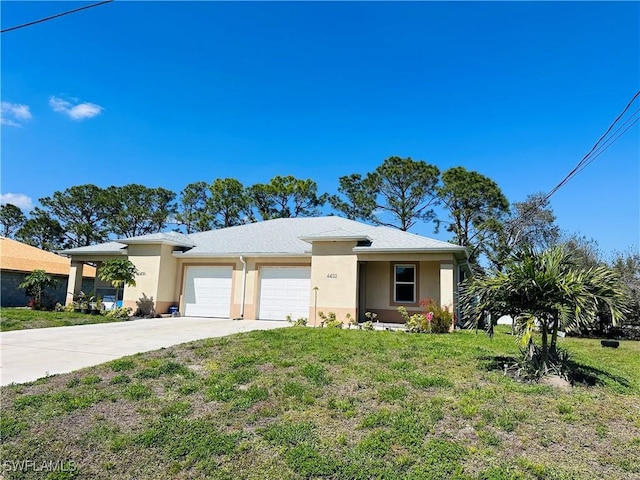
(598, 148)
(585, 159)
(55, 16)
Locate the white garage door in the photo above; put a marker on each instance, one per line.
(284, 291)
(207, 292)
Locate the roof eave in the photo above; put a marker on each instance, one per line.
(239, 254)
(173, 243)
(337, 238)
(71, 253)
(458, 250)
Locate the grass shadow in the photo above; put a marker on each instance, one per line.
(577, 374)
(491, 363)
(590, 376)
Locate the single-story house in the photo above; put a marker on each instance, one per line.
(285, 267)
(17, 260)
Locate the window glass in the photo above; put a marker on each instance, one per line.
(405, 284)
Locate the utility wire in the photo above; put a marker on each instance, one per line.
(54, 16)
(585, 159)
(598, 148)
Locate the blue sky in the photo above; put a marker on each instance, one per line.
(168, 93)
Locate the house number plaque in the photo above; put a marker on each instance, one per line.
(332, 275)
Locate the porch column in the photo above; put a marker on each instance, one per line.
(446, 285)
(75, 280)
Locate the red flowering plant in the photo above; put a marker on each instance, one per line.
(438, 319)
(435, 319)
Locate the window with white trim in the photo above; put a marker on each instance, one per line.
(404, 283)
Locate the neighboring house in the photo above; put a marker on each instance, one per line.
(17, 260)
(290, 266)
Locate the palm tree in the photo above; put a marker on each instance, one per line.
(547, 289)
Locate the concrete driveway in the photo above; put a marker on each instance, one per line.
(27, 355)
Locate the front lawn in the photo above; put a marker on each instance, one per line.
(23, 318)
(303, 403)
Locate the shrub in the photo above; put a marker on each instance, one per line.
(300, 322)
(146, 307)
(330, 320)
(414, 323)
(436, 319)
(440, 319)
(120, 313)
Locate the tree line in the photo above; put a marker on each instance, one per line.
(399, 193)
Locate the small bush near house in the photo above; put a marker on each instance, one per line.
(301, 322)
(435, 319)
(121, 313)
(146, 307)
(368, 325)
(330, 320)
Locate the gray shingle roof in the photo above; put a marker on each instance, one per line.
(291, 236)
(283, 236)
(101, 248)
(171, 238)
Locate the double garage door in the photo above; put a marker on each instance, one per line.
(282, 291)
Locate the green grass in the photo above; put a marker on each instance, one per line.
(25, 318)
(303, 403)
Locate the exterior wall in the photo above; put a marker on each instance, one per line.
(147, 259)
(432, 283)
(168, 277)
(334, 271)
(12, 296)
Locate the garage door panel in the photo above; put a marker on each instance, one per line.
(208, 291)
(284, 291)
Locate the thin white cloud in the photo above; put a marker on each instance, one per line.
(20, 200)
(79, 111)
(14, 114)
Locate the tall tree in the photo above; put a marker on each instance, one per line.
(229, 203)
(529, 223)
(134, 209)
(627, 264)
(11, 219)
(546, 289)
(286, 197)
(476, 207)
(399, 193)
(193, 211)
(586, 251)
(42, 231)
(81, 211)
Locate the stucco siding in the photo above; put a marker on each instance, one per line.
(435, 282)
(147, 259)
(334, 272)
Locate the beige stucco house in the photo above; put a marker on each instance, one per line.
(290, 266)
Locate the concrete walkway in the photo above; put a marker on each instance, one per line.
(26, 355)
